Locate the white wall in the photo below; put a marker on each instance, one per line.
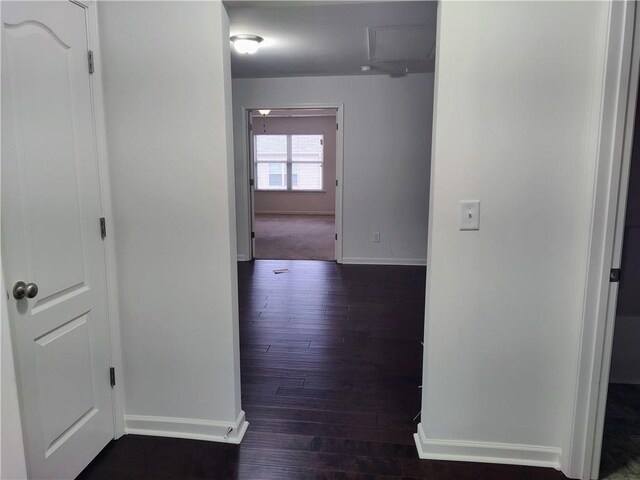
(518, 90)
(387, 143)
(12, 458)
(168, 114)
(12, 455)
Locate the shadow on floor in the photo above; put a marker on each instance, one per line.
(621, 442)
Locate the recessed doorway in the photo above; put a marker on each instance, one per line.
(293, 159)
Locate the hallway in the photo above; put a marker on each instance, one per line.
(331, 362)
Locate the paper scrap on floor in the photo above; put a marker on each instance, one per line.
(278, 271)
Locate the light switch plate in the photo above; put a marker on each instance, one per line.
(469, 215)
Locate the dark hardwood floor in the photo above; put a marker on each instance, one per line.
(331, 364)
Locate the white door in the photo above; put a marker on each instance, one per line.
(51, 237)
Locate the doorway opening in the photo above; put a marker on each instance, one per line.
(330, 351)
(620, 456)
(293, 167)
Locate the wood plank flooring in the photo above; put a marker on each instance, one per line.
(331, 363)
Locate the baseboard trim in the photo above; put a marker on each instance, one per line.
(292, 212)
(486, 452)
(384, 261)
(243, 258)
(624, 381)
(191, 428)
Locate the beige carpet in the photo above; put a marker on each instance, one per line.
(296, 237)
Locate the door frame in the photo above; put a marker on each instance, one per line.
(99, 126)
(113, 310)
(583, 443)
(249, 176)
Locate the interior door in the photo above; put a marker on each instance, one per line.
(51, 238)
(252, 186)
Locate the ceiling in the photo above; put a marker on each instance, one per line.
(311, 38)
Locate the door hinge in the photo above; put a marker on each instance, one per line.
(253, 234)
(250, 127)
(103, 228)
(251, 182)
(336, 236)
(337, 126)
(336, 183)
(90, 60)
(112, 376)
(614, 275)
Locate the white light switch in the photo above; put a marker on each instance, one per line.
(469, 214)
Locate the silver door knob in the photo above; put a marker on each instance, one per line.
(22, 290)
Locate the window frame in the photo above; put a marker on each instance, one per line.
(289, 164)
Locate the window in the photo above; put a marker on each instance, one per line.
(289, 162)
(271, 162)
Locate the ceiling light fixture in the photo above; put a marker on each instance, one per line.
(264, 113)
(246, 44)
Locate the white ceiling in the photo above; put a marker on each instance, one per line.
(326, 38)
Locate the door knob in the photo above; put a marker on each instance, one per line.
(22, 290)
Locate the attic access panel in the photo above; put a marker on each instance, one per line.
(400, 46)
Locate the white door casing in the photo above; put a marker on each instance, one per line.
(51, 237)
(248, 154)
(252, 188)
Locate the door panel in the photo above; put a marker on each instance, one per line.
(51, 237)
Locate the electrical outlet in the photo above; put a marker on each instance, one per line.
(376, 237)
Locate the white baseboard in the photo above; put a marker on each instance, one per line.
(191, 428)
(384, 261)
(486, 452)
(293, 212)
(243, 258)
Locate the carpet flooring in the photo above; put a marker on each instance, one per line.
(295, 237)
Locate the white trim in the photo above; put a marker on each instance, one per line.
(384, 261)
(318, 192)
(246, 117)
(243, 258)
(191, 428)
(292, 212)
(340, 187)
(486, 452)
(107, 212)
(583, 440)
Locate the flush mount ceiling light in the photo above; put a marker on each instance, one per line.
(246, 44)
(264, 113)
